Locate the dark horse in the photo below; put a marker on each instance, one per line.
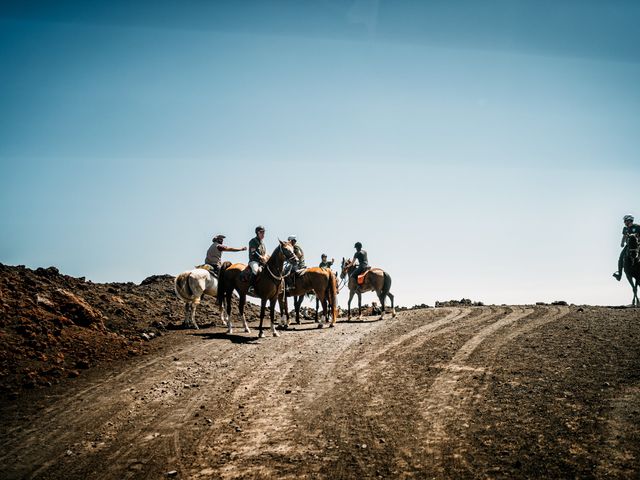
(320, 281)
(632, 266)
(268, 286)
(375, 279)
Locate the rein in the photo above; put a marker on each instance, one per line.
(278, 278)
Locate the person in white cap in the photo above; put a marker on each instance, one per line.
(214, 254)
(299, 266)
(297, 250)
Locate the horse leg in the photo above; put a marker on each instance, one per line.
(382, 297)
(263, 304)
(359, 306)
(393, 308)
(229, 295)
(185, 322)
(297, 301)
(317, 301)
(286, 311)
(193, 314)
(351, 294)
(222, 315)
(272, 314)
(241, 303)
(281, 302)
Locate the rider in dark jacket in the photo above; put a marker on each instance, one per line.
(361, 257)
(629, 228)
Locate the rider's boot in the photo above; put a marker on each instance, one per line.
(252, 284)
(617, 275)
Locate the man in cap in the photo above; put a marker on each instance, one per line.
(214, 254)
(629, 228)
(324, 263)
(361, 257)
(297, 250)
(257, 252)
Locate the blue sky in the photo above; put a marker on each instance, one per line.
(484, 150)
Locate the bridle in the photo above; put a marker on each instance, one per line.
(285, 253)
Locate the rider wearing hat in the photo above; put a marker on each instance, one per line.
(324, 263)
(629, 228)
(214, 254)
(257, 251)
(363, 261)
(297, 249)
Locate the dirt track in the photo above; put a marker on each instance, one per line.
(450, 392)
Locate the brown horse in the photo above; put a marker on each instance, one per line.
(320, 281)
(376, 280)
(268, 286)
(632, 266)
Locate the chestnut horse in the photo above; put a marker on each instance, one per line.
(320, 281)
(632, 266)
(376, 280)
(268, 286)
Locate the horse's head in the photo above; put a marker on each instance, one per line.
(346, 267)
(285, 252)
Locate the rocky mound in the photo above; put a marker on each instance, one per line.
(53, 326)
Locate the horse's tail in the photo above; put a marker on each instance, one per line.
(386, 285)
(221, 283)
(332, 295)
(183, 289)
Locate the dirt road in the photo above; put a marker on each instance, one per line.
(453, 392)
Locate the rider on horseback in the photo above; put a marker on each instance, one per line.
(629, 228)
(257, 253)
(324, 263)
(363, 262)
(214, 254)
(297, 249)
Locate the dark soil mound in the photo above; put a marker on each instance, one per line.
(53, 326)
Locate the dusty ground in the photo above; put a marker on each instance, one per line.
(461, 392)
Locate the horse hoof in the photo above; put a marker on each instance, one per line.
(261, 335)
(276, 334)
(331, 326)
(247, 330)
(320, 326)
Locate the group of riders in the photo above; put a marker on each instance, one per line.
(258, 255)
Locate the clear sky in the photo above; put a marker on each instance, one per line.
(485, 150)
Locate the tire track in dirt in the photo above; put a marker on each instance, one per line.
(87, 409)
(353, 409)
(267, 442)
(461, 384)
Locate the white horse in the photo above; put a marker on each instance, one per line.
(190, 287)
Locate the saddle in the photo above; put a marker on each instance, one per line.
(362, 275)
(208, 268)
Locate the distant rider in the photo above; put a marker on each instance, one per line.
(257, 252)
(214, 254)
(629, 228)
(363, 262)
(324, 263)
